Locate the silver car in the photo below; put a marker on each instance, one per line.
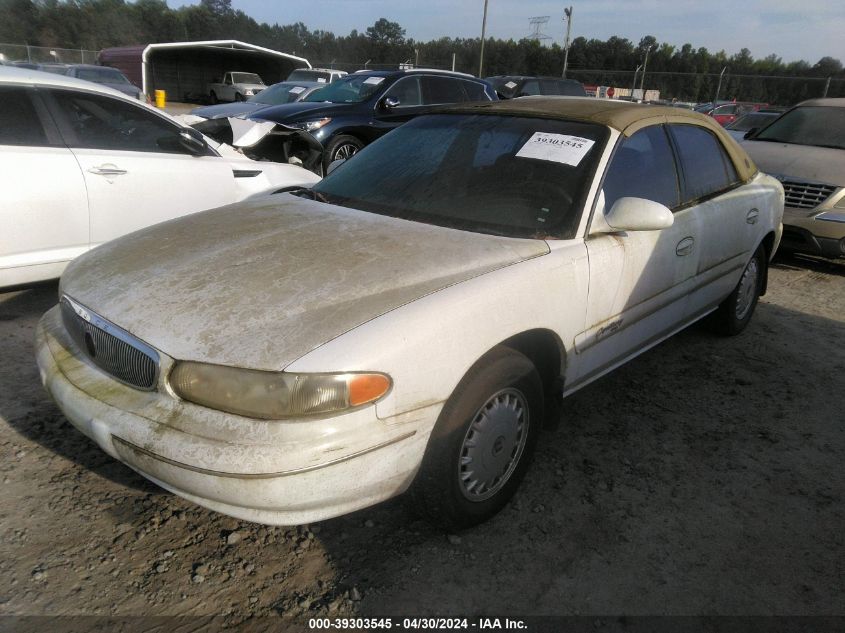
(805, 150)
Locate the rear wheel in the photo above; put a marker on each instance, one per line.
(213, 97)
(482, 443)
(734, 313)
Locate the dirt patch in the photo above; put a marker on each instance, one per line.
(705, 477)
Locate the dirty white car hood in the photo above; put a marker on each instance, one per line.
(261, 283)
(798, 162)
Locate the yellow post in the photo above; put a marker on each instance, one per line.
(161, 98)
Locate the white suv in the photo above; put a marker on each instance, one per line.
(81, 164)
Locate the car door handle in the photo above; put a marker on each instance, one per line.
(684, 247)
(107, 170)
(752, 216)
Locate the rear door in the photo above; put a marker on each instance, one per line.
(135, 171)
(729, 212)
(44, 215)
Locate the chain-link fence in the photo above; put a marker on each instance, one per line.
(46, 54)
(686, 87)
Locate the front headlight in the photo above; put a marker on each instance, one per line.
(310, 126)
(273, 395)
(248, 93)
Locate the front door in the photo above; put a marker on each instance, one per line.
(639, 280)
(136, 172)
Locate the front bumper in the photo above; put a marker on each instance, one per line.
(274, 472)
(805, 232)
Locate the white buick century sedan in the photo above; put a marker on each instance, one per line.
(408, 323)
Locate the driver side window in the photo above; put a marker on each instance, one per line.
(643, 167)
(407, 91)
(100, 122)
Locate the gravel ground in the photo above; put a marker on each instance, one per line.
(705, 477)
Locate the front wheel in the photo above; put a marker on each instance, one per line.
(239, 96)
(482, 443)
(734, 313)
(340, 148)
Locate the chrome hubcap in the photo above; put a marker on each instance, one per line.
(747, 289)
(493, 445)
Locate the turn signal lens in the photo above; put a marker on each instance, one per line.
(364, 388)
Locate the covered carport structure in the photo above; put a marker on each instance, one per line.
(184, 69)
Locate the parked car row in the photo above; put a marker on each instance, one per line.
(519, 250)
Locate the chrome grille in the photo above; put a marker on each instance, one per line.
(806, 195)
(110, 348)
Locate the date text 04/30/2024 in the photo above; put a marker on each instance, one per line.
(487, 624)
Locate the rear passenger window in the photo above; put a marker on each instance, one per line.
(443, 90)
(19, 122)
(705, 165)
(643, 167)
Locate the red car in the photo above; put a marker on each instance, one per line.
(730, 112)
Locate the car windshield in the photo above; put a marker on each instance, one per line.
(277, 94)
(102, 75)
(512, 176)
(350, 89)
(820, 126)
(246, 78)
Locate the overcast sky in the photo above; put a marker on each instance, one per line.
(791, 29)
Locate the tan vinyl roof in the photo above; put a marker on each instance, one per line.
(624, 116)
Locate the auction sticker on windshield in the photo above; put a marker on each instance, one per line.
(558, 148)
(373, 80)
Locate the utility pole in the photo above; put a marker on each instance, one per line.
(719, 86)
(568, 12)
(826, 87)
(642, 77)
(416, 58)
(483, 34)
(453, 62)
(634, 83)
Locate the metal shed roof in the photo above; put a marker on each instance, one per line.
(144, 52)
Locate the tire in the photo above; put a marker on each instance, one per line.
(342, 146)
(734, 313)
(214, 100)
(238, 97)
(492, 419)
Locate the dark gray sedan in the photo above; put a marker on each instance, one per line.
(277, 94)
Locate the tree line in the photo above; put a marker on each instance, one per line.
(682, 72)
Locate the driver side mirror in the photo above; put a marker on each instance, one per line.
(638, 214)
(750, 132)
(192, 141)
(388, 103)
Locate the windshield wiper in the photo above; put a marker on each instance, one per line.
(774, 140)
(303, 192)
